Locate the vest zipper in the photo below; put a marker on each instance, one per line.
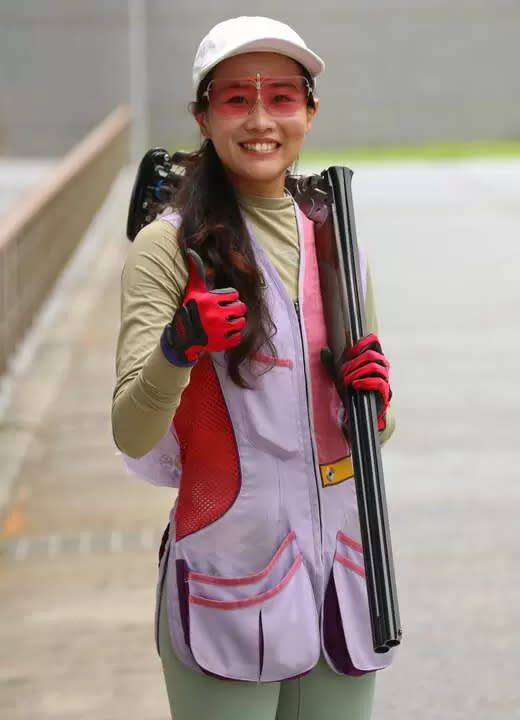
(298, 315)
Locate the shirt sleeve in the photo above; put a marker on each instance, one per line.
(148, 388)
(372, 327)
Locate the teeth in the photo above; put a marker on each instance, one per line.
(260, 147)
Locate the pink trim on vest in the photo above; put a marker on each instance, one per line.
(350, 564)
(349, 542)
(269, 360)
(211, 579)
(247, 602)
(326, 404)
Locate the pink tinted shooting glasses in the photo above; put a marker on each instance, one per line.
(238, 97)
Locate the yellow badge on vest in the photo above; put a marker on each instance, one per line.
(336, 472)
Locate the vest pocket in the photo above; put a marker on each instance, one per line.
(259, 628)
(356, 655)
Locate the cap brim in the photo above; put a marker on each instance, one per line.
(304, 56)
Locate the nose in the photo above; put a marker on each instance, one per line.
(259, 118)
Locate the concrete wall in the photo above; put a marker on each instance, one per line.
(40, 232)
(397, 70)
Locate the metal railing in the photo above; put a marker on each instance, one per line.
(40, 233)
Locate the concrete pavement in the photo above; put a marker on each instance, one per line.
(444, 246)
(79, 535)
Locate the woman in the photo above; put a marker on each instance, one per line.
(262, 609)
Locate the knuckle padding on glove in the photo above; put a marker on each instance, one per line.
(375, 373)
(235, 311)
(224, 291)
(372, 383)
(366, 358)
(369, 342)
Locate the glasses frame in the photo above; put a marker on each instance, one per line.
(258, 79)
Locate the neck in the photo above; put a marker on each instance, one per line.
(261, 188)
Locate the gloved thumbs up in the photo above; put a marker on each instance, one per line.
(208, 320)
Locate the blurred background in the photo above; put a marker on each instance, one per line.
(422, 100)
(397, 72)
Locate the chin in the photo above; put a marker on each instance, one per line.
(261, 171)
(264, 171)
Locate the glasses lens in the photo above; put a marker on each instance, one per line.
(284, 95)
(238, 97)
(232, 97)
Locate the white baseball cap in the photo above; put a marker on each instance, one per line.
(251, 34)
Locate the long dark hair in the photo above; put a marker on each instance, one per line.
(212, 224)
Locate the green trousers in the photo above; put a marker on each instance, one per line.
(322, 694)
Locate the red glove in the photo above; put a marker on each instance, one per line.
(208, 320)
(366, 368)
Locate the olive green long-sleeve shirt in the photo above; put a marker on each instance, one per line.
(148, 388)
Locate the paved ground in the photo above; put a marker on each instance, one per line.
(80, 536)
(77, 569)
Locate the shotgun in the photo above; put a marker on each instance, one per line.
(327, 200)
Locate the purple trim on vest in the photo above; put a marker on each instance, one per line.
(182, 591)
(164, 542)
(334, 635)
(260, 643)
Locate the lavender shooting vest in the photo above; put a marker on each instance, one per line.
(264, 564)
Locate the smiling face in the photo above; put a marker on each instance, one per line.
(256, 149)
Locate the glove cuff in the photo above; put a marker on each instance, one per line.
(172, 354)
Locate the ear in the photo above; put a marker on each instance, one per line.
(311, 112)
(202, 122)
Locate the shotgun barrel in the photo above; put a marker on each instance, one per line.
(341, 284)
